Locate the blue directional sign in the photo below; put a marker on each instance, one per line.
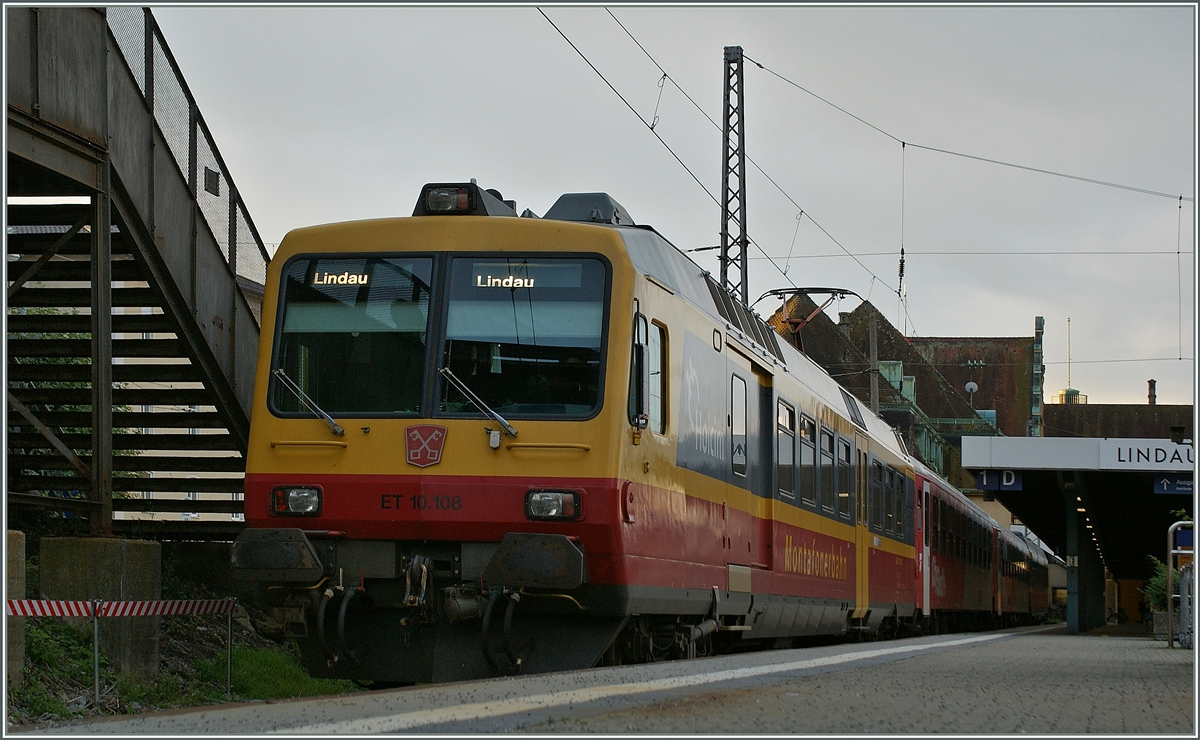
(1183, 538)
(1173, 483)
(998, 480)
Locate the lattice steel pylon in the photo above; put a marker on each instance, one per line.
(733, 181)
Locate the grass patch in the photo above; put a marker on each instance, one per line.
(272, 674)
(58, 679)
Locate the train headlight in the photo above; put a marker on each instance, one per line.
(556, 505)
(296, 501)
(448, 200)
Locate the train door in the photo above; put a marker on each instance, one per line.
(862, 535)
(747, 509)
(747, 506)
(763, 484)
(923, 547)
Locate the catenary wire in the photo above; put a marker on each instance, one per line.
(749, 159)
(631, 108)
(1052, 253)
(970, 156)
(648, 126)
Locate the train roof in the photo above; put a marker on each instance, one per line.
(661, 261)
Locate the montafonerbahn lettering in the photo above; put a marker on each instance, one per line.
(809, 561)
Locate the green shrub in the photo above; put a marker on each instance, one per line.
(1155, 589)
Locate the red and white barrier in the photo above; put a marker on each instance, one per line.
(158, 608)
(97, 608)
(32, 608)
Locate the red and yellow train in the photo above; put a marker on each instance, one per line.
(484, 443)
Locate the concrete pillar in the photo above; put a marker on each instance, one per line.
(1072, 557)
(15, 589)
(1095, 585)
(114, 570)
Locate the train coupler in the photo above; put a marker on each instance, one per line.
(417, 572)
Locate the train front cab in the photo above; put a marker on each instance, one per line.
(380, 498)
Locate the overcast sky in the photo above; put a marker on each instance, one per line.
(330, 114)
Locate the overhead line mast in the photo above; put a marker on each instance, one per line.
(734, 264)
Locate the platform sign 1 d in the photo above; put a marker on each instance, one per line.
(998, 480)
(1173, 483)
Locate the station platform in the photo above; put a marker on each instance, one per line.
(1032, 680)
(1042, 681)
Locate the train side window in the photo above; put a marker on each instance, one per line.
(889, 501)
(945, 526)
(845, 479)
(955, 544)
(935, 526)
(786, 439)
(962, 540)
(657, 359)
(808, 460)
(901, 503)
(638, 385)
(737, 424)
(953, 533)
(876, 496)
(827, 486)
(925, 513)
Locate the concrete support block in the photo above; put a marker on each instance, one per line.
(114, 570)
(15, 589)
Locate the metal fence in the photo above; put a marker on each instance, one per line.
(162, 85)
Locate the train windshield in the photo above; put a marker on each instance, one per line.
(354, 333)
(525, 334)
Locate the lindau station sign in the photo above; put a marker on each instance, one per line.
(998, 458)
(1070, 453)
(1145, 454)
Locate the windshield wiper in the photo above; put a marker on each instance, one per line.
(312, 406)
(479, 404)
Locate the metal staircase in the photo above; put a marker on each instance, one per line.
(134, 284)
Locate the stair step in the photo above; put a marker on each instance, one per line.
(28, 297)
(164, 463)
(214, 442)
(131, 323)
(121, 396)
(83, 348)
(79, 271)
(81, 373)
